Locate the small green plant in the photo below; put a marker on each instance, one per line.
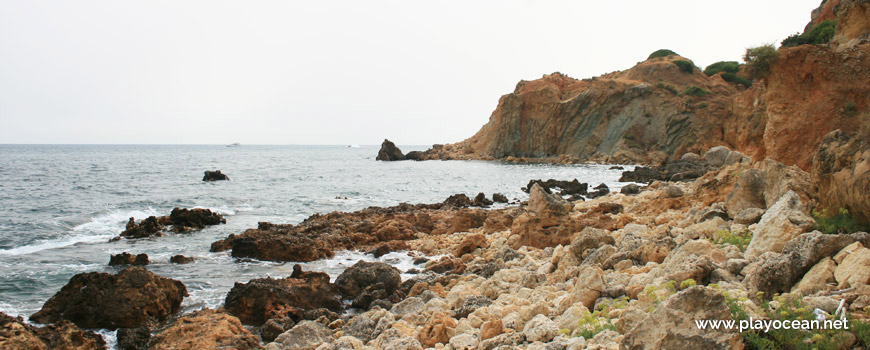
(670, 88)
(687, 283)
(685, 66)
(695, 91)
(702, 105)
(661, 53)
(723, 66)
(736, 79)
(840, 222)
(817, 35)
(850, 109)
(592, 323)
(759, 59)
(862, 332)
(740, 239)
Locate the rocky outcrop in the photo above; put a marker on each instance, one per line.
(680, 170)
(366, 282)
(216, 175)
(389, 152)
(178, 221)
(262, 299)
(841, 173)
(134, 297)
(128, 259)
(63, 335)
(853, 21)
(181, 259)
(560, 187)
(205, 329)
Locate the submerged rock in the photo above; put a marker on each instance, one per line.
(134, 297)
(216, 175)
(389, 152)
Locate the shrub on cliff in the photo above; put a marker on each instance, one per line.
(685, 66)
(661, 53)
(759, 59)
(735, 79)
(820, 34)
(695, 91)
(722, 66)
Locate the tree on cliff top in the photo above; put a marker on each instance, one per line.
(759, 59)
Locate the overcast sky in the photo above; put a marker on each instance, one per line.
(329, 72)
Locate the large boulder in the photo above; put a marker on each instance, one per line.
(841, 173)
(261, 299)
(63, 335)
(672, 324)
(389, 152)
(134, 297)
(748, 193)
(716, 156)
(783, 221)
(545, 204)
(216, 175)
(365, 282)
(205, 329)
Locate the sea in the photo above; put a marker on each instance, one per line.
(61, 204)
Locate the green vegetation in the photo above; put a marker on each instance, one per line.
(862, 332)
(670, 88)
(695, 91)
(702, 105)
(661, 53)
(850, 109)
(735, 79)
(759, 59)
(820, 34)
(841, 222)
(740, 239)
(723, 66)
(685, 66)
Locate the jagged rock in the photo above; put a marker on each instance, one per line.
(464, 341)
(499, 198)
(679, 313)
(307, 335)
(565, 188)
(178, 221)
(817, 278)
(736, 157)
(274, 327)
(544, 204)
(389, 152)
(749, 216)
(673, 191)
(748, 192)
(134, 297)
(590, 238)
(716, 156)
(389, 247)
(642, 175)
(540, 328)
(630, 189)
(205, 329)
(470, 243)
(469, 305)
(481, 201)
(459, 200)
(149, 227)
(600, 191)
(368, 325)
(493, 328)
(63, 335)
(438, 330)
(128, 259)
(344, 343)
(505, 340)
(365, 282)
(216, 175)
(181, 259)
(840, 173)
(782, 222)
(133, 338)
(264, 298)
(853, 271)
(414, 155)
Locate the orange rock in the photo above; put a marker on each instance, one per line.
(470, 243)
(491, 329)
(438, 330)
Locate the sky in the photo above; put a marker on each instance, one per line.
(329, 72)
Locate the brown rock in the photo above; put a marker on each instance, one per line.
(181, 259)
(389, 152)
(470, 243)
(128, 259)
(544, 204)
(491, 328)
(205, 329)
(63, 335)
(438, 330)
(854, 270)
(817, 278)
(216, 175)
(261, 299)
(134, 297)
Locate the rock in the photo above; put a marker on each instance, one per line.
(205, 329)
(368, 325)
(133, 338)
(716, 156)
(817, 278)
(393, 338)
(470, 243)
(151, 226)
(590, 238)
(194, 219)
(748, 193)
(438, 330)
(413, 155)
(499, 198)
(588, 286)
(344, 343)
(565, 188)
(274, 327)
(368, 280)
(128, 259)
(134, 297)
(216, 175)
(540, 328)
(642, 175)
(600, 191)
(63, 335)
(389, 152)
(841, 173)
(464, 341)
(673, 192)
(307, 335)
(481, 201)
(181, 259)
(749, 216)
(679, 313)
(459, 200)
(491, 329)
(690, 157)
(630, 189)
(502, 341)
(264, 298)
(854, 270)
(411, 305)
(782, 222)
(736, 157)
(469, 305)
(544, 204)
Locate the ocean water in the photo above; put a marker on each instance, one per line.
(60, 205)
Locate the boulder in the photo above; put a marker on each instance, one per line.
(459, 200)
(690, 157)
(540, 328)
(205, 329)
(854, 270)
(63, 335)
(368, 325)
(600, 191)
(544, 204)
(679, 313)
(469, 305)
(560, 187)
(590, 238)
(630, 189)
(194, 219)
(365, 282)
(181, 259)
(499, 198)
(216, 175)
(817, 278)
(749, 216)
(748, 193)
(389, 152)
(133, 338)
(782, 222)
(128, 259)
(307, 335)
(470, 243)
(641, 175)
(134, 297)
(481, 201)
(261, 299)
(492, 328)
(438, 330)
(274, 327)
(716, 156)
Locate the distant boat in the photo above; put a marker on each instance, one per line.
(353, 146)
(234, 144)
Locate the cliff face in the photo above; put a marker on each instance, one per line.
(644, 114)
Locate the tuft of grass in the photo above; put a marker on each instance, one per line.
(685, 66)
(723, 66)
(695, 91)
(592, 323)
(839, 222)
(661, 53)
(740, 240)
